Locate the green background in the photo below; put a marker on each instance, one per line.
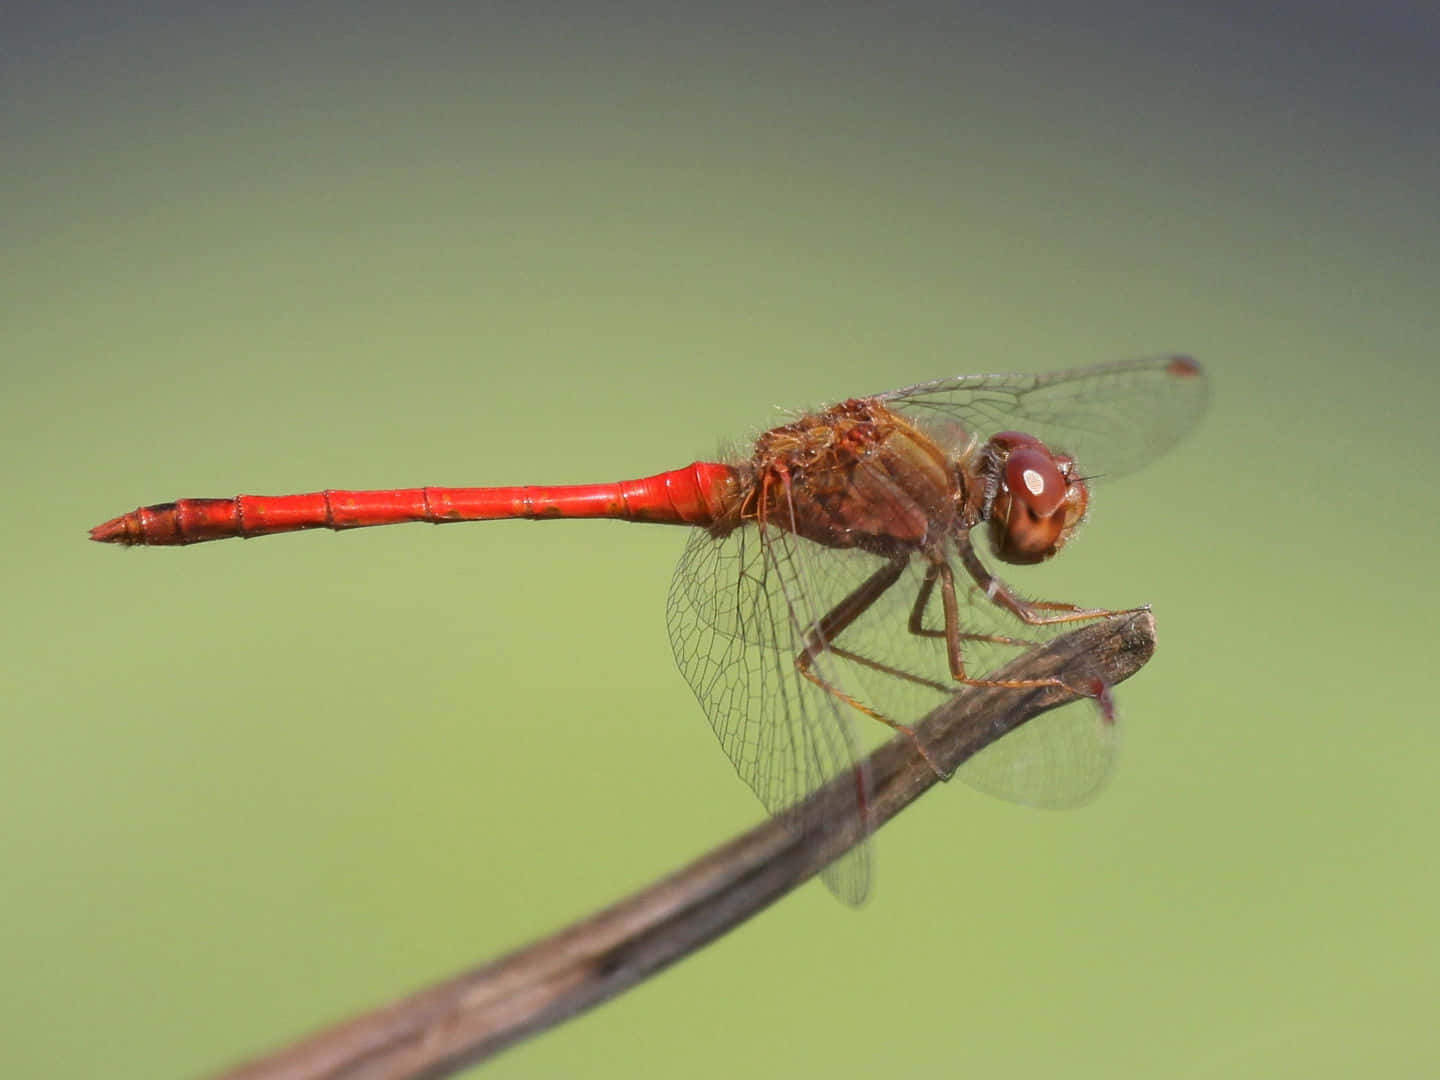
(249, 788)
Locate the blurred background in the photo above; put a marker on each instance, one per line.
(252, 787)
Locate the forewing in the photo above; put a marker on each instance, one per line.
(1113, 418)
(739, 612)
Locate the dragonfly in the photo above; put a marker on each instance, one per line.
(833, 577)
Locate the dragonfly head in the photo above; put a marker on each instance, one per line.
(1035, 498)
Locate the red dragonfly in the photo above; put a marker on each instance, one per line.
(820, 582)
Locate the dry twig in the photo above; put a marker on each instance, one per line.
(473, 1016)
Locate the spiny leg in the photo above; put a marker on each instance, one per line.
(1099, 692)
(915, 626)
(834, 623)
(886, 669)
(917, 617)
(1027, 611)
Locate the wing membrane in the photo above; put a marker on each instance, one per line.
(1114, 418)
(739, 612)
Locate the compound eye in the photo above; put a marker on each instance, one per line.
(1035, 481)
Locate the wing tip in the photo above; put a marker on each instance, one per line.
(1182, 366)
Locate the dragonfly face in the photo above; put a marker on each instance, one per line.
(1036, 498)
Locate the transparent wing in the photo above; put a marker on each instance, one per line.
(739, 611)
(735, 635)
(1060, 759)
(1114, 418)
(1057, 761)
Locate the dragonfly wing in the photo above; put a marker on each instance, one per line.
(735, 641)
(739, 615)
(1061, 758)
(1058, 760)
(1114, 418)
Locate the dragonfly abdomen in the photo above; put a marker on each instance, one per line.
(698, 494)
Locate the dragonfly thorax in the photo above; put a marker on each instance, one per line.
(853, 476)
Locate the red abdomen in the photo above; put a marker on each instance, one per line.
(698, 494)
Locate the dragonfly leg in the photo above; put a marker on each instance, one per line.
(1027, 611)
(916, 626)
(822, 635)
(1096, 690)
